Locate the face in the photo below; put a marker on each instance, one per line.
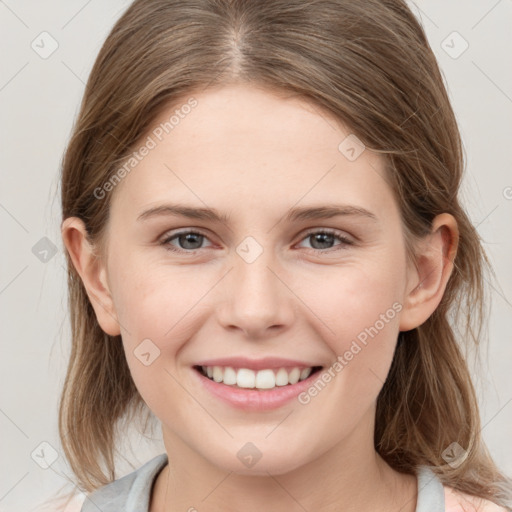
(263, 281)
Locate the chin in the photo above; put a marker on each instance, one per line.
(252, 462)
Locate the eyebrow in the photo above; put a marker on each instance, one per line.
(294, 214)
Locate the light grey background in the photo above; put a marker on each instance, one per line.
(39, 100)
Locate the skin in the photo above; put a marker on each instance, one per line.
(253, 155)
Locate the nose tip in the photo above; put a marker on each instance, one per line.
(256, 302)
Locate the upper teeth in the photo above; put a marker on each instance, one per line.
(262, 379)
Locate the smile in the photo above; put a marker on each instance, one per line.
(261, 379)
(261, 389)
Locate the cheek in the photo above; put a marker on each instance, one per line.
(149, 306)
(359, 307)
(147, 296)
(160, 304)
(355, 296)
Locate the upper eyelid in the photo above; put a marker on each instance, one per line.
(172, 233)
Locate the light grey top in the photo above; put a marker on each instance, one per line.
(131, 493)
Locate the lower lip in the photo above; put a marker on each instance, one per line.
(254, 399)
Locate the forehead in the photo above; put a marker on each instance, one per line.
(250, 148)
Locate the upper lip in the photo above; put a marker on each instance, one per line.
(256, 364)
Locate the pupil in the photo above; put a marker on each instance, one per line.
(322, 239)
(186, 239)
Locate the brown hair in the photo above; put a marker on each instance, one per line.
(368, 63)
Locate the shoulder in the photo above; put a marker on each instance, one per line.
(132, 490)
(456, 501)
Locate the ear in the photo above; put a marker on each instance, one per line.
(92, 271)
(427, 282)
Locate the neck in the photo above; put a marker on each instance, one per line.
(342, 479)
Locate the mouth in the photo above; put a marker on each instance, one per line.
(261, 380)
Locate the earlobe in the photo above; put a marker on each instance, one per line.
(428, 280)
(92, 271)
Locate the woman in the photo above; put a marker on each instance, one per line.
(301, 355)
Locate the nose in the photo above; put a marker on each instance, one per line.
(257, 300)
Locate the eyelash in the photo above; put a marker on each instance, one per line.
(345, 241)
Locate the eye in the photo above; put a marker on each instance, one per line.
(324, 238)
(189, 240)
